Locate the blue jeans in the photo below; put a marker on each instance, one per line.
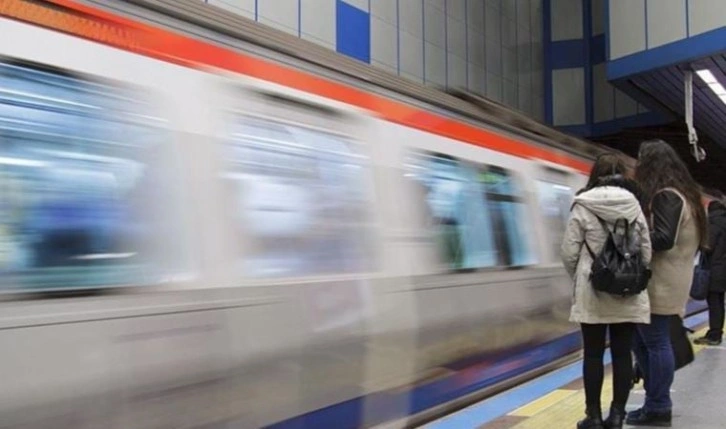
(655, 356)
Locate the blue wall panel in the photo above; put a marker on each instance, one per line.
(353, 31)
(695, 47)
(586, 53)
(567, 54)
(598, 49)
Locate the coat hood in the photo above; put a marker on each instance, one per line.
(610, 203)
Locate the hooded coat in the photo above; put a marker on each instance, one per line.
(717, 246)
(609, 203)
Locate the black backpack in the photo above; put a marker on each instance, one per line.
(619, 268)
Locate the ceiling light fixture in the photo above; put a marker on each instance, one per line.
(709, 79)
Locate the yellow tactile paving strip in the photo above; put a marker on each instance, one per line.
(543, 403)
(561, 408)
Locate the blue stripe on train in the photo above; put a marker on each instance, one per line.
(387, 405)
(469, 376)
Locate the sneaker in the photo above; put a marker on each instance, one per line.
(642, 417)
(706, 341)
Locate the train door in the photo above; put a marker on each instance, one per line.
(555, 192)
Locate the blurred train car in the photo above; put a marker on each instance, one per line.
(263, 240)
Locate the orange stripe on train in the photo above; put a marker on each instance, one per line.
(97, 25)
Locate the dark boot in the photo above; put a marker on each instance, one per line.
(616, 418)
(642, 417)
(593, 419)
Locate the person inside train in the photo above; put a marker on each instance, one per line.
(717, 262)
(607, 197)
(672, 201)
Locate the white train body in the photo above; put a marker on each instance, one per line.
(284, 252)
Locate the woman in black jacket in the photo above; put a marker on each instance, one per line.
(717, 259)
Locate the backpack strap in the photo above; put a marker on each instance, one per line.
(589, 250)
(602, 223)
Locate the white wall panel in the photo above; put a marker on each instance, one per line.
(360, 4)
(411, 55)
(317, 21)
(476, 47)
(245, 8)
(492, 46)
(602, 95)
(436, 4)
(509, 64)
(456, 9)
(568, 96)
(509, 9)
(524, 35)
(494, 58)
(435, 64)
(706, 15)
(456, 37)
(536, 19)
(411, 17)
(493, 25)
(385, 10)
(524, 63)
(477, 78)
(434, 26)
(666, 21)
(627, 27)
(538, 108)
(494, 86)
(537, 77)
(279, 14)
(510, 93)
(456, 71)
(524, 94)
(567, 19)
(523, 13)
(509, 33)
(475, 14)
(384, 42)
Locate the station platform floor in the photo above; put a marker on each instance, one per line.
(556, 400)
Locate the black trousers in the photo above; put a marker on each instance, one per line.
(593, 369)
(715, 302)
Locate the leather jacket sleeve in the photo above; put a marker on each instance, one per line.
(666, 208)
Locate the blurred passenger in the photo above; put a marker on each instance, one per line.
(607, 197)
(672, 200)
(716, 257)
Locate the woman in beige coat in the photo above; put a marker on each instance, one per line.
(679, 226)
(607, 197)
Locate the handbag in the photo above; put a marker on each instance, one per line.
(701, 278)
(682, 348)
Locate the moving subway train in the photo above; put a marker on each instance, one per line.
(197, 231)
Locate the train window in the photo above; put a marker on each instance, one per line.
(508, 217)
(460, 219)
(87, 191)
(301, 198)
(555, 200)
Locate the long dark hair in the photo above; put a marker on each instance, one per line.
(610, 170)
(659, 166)
(607, 164)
